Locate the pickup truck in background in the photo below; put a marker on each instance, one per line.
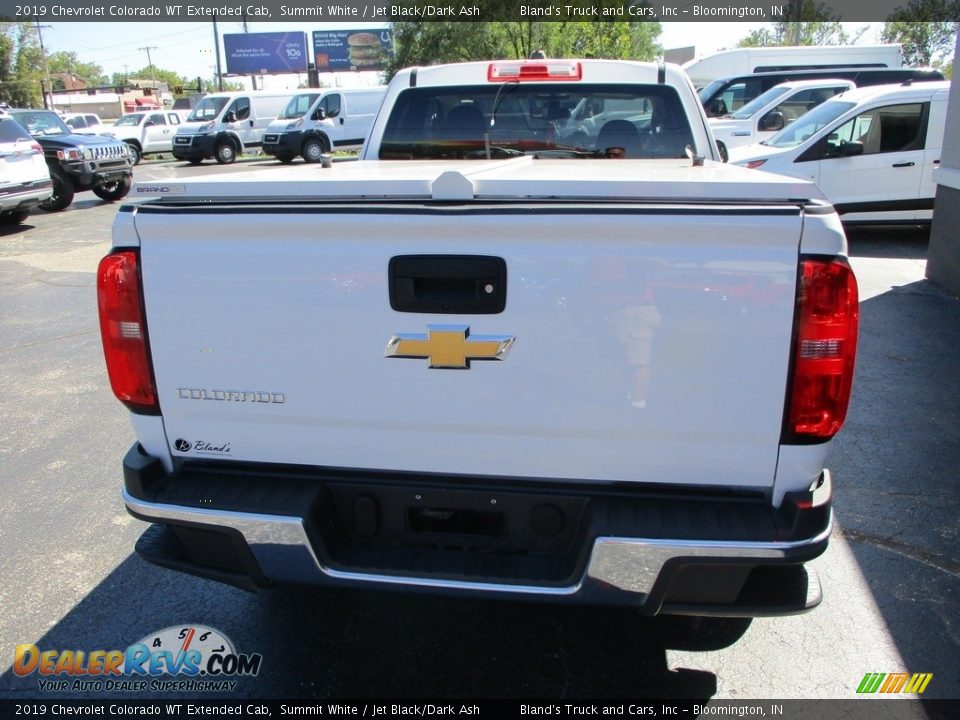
(148, 131)
(539, 343)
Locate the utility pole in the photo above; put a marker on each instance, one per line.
(216, 49)
(153, 72)
(46, 70)
(253, 78)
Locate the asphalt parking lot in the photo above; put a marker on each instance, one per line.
(891, 576)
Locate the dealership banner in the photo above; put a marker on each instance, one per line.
(262, 53)
(383, 11)
(358, 49)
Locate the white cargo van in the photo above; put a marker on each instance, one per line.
(224, 125)
(772, 59)
(770, 112)
(314, 123)
(872, 151)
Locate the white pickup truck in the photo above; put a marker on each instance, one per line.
(533, 345)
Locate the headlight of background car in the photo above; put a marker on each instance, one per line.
(71, 154)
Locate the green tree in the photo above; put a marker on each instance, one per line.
(28, 69)
(919, 28)
(67, 63)
(808, 23)
(428, 43)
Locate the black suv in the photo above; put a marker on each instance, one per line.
(78, 162)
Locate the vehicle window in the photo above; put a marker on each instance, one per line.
(240, 106)
(759, 102)
(331, 105)
(92, 120)
(41, 122)
(298, 106)
(542, 119)
(76, 123)
(804, 101)
(158, 119)
(892, 128)
(10, 131)
(809, 124)
(129, 120)
(207, 109)
(173, 118)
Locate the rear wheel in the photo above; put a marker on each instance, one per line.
(14, 218)
(195, 161)
(113, 190)
(285, 157)
(313, 150)
(135, 153)
(62, 192)
(226, 153)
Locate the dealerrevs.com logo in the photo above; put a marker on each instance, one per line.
(181, 658)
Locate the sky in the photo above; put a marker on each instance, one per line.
(187, 48)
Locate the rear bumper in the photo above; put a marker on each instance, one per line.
(675, 552)
(24, 196)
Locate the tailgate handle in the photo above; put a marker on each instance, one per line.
(448, 284)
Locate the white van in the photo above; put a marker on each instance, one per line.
(770, 112)
(224, 125)
(806, 57)
(872, 151)
(317, 122)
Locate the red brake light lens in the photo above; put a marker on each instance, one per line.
(124, 332)
(753, 164)
(824, 351)
(522, 70)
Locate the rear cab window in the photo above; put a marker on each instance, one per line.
(543, 119)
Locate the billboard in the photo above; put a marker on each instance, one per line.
(339, 50)
(259, 53)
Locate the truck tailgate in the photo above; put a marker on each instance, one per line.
(651, 342)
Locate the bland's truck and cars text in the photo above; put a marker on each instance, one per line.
(539, 342)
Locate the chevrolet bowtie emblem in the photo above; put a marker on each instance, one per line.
(449, 346)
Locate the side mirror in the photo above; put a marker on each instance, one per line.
(850, 149)
(149, 123)
(319, 114)
(230, 117)
(772, 121)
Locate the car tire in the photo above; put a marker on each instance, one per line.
(285, 158)
(313, 150)
(114, 190)
(226, 153)
(13, 218)
(135, 153)
(62, 193)
(195, 161)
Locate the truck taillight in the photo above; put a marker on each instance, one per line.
(520, 70)
(124, 332)
(824, 351)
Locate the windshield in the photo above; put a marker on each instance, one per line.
(709, 90)
(809, 124)
(208, 108)
(129, 120)
(759, 103)
(41, 122)
(543, 119)
(298, 106)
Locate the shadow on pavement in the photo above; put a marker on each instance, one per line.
(897, 496)
(895, 241)
(338, 643)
